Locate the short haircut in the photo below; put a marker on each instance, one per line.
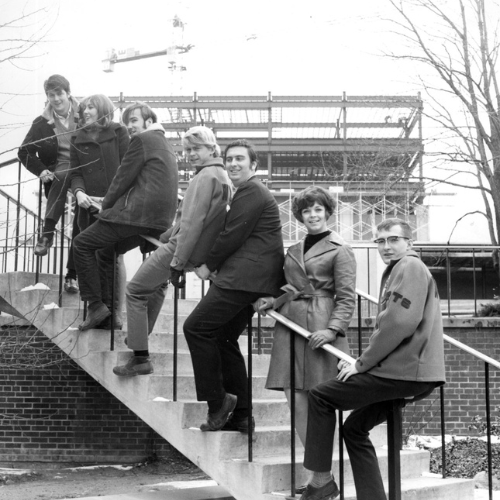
(105, 110)
(56, 82)
(308, 197)
(243, 143)
(387, 224)
(202, 136)
(146, 112)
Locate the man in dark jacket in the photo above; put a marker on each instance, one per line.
(404, 360)
(45, 153)
(247, 259)
(141, 200)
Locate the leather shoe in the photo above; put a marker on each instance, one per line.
(327, 492)
(71, 285)
(238, 424)
(136, 365)
(215, 421)
(106, 324)
(95, 315)
(42, 246)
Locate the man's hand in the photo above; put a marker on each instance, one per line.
(202, 272)
(177, 278)
(262, 304)
(347, 371)
(83, 200)
(321, 337)
(46, 176)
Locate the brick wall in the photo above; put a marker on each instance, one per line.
(464, 392)
(52, 410)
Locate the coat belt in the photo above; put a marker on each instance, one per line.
(292, 293)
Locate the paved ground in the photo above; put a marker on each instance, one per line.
(181, 490)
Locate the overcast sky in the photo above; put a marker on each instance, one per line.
(287, 47)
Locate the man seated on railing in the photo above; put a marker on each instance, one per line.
(248, 257)
(45, 153)
(404, 360)
(141, 200)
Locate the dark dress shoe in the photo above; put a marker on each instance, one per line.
(327, 492)
(106, 324)
(215, 421)
(136, 365)
(95, 315)
(238, 424)
(42, 246)
(71, 285)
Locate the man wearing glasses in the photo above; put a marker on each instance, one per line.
(404, 360)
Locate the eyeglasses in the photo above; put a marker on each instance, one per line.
(392, 240)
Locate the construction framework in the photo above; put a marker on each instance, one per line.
(366, 149)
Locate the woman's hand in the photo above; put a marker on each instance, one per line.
(46, 176)
(321, 337)
(262, 304)
(83, 200)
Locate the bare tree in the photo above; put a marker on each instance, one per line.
(458, 42)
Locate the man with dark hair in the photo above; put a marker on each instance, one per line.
(141, 200)
(45, 153)
(246, 262)
(404, 360)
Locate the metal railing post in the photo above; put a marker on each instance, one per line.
(113, 298)
(394, 431)
(292, 415)
(341, 453)
(249, 382)
(488, 428)
(61, 259)
(18, 216)
(176, 315)
(443, 427)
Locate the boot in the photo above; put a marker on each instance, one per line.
(136, 365)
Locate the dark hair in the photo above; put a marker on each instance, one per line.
(308, 197)
(105, 110)
(56, 82)
(146, 112)
(387, 224)
(243, 143)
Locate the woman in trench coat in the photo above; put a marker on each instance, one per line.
(319, 295)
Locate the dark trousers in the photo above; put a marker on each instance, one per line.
(212, 331)
(94, 251)
(370, 397)
(70, 266)
(56, 198)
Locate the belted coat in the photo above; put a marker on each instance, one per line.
(322, 283)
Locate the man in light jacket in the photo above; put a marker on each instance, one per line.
(404, 360)
(141, 200)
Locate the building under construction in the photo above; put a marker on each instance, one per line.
(366, 149)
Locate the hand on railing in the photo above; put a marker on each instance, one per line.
(177, 278)
(262, 304)
(46, 176)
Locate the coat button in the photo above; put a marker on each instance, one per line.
(90, 170)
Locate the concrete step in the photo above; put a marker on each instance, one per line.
(424, 487)
(162, 386)
(272, 473)
(163, 362)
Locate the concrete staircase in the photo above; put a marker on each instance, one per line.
(222, 455)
